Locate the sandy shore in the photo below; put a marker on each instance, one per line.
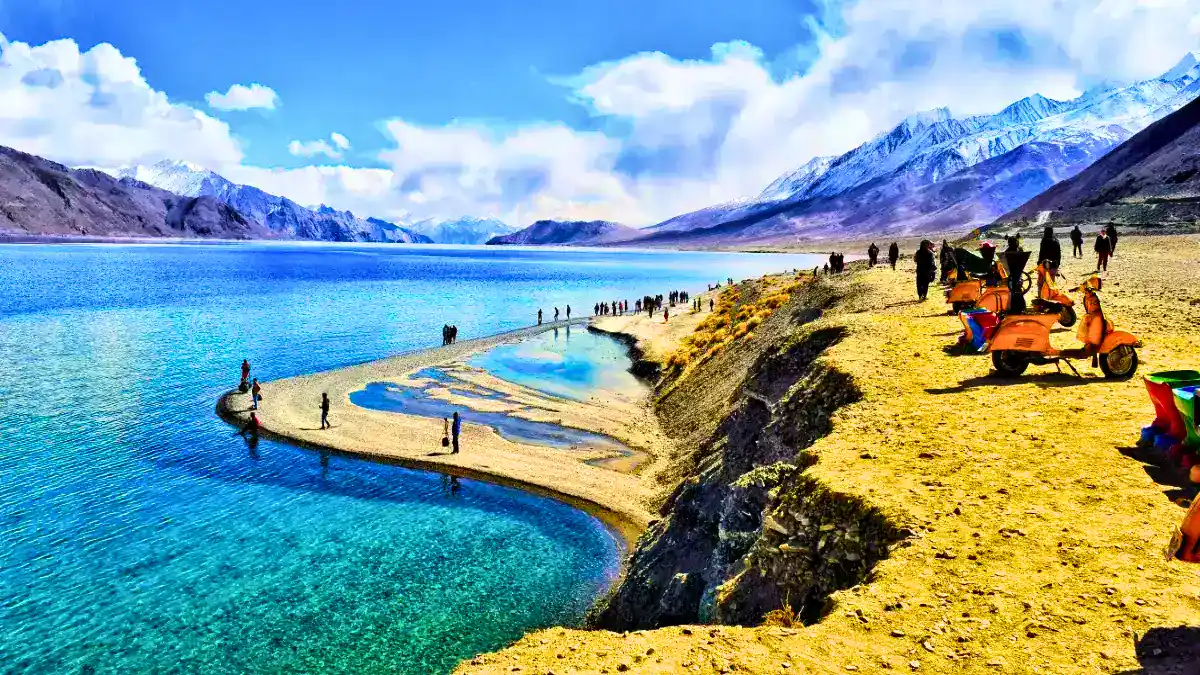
(1036, 525)
(612, 487)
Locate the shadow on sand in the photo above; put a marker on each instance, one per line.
(1167, 651)
(1043, 380)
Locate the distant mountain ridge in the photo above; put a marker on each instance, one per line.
(465, 230)
(39, 197)
(1151, 179)
(566, 233)
(279, 216)
(936, 172)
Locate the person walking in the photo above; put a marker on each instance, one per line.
(666, 314)
(710, 304)
(555, 315)
(1103, 248)
(893, 254)
(539, 317)
(1050, 250)
(926, 269)
(568, 312)
(255, 394)
(325, 411)
(1111, 231)
(872, 254)
(1076, 243)
(455, 430)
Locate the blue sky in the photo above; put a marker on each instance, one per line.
(627, 110)
(346, 66)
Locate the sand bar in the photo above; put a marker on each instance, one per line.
(589, 479)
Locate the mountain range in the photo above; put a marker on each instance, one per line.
(1151, 179)
(461, 230)
(279, 216)
(936, 172)
(42, 198)
(567, 233)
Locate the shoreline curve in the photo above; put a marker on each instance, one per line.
(618, 500)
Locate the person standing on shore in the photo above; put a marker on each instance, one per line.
(893, 254)
(666, 314)
(325, 411)
(255, 394)
(926, 268)
(1103, 248)
(1049, 249)
(872, 254)
(455, 429)
(245, 372)
(251, 427)
(1076, 243)
(568, 312)
(539, 317)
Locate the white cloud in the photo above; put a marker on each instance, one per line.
(678, 134)
(94, 108)
(332, 150)
(241, 97)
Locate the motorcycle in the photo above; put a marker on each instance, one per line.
(1024, 339)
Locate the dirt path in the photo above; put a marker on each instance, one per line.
(1036, 533)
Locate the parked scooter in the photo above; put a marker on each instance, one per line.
(1050, 299)
(1024, 339)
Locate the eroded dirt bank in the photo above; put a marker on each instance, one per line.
(928, 517)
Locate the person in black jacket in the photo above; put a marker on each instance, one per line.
(1103, 248)
(1076, 242)
(1050, 249)
(893, 254)
(1111, 230)
(926, 268)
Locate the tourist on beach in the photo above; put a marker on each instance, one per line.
(1103, 248)
(872, 254)
(1111, 231)
(325, 411)
(251, 427)
(1050, 249)
(255, 394)
(948, 262)
(568, 312)
(893, 254)
(245, 374)
(453, 334)
(556, 315)
(455, 429)
(926, 268)
(539, 317)
(666, 314)
(710, 304)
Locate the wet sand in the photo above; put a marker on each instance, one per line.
(610, 485)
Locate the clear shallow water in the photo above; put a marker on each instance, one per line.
(138, 535)
(414, 400)
(571, 363)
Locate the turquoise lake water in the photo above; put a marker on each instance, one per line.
(139, 535)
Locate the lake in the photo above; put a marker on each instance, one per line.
(139, 535)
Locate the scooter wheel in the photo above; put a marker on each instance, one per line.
(1009, 363)
(1119, 364)
(1066, 318)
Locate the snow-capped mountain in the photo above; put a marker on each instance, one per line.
(280, 215)
(936, 171)
(461, 230)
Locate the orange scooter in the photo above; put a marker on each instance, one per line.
(1050, 299)
(1022, 339)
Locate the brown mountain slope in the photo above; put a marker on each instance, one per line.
(41, 198)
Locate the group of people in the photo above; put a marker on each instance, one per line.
(836, 264)
(449, 335)
(1049, 252)
(556, 315)
(251, 385)
(615, 308)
